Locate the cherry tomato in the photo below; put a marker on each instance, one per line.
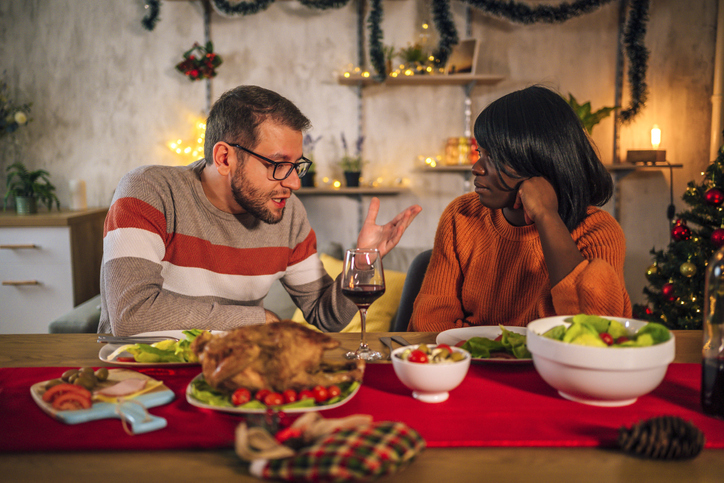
(333, 391)
(273, 399)
(445, 346)
(417, 356)
(607, 338)
(261, 394)
(622, 339)
(320, 393)
(126, 359)
(241, 396)
(305, 394)
(290, 396)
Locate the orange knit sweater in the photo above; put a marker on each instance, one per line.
(484, 271)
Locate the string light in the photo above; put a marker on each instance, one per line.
(193, 150)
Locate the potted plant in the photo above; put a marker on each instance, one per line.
(352, 165)
(588, 118)
(308, 147)
(28, 188)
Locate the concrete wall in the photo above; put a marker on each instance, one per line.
(106, 97)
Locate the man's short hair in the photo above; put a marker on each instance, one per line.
(236, 116)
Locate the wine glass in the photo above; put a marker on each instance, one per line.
(363, 282)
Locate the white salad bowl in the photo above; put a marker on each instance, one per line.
(430, 382)
(601, 376)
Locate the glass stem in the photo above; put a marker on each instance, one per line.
(363, 325)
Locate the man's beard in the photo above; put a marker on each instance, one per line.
(253, 201)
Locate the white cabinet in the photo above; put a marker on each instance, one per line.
(49, 263)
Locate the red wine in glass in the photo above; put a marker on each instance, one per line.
(363, 282)
(364, 295)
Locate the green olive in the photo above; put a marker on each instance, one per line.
(457, 356)
(102, 374)
(67, 374)
(73, 377)
(53, 382)
(424, 348)
(86, 370)
(85, 381)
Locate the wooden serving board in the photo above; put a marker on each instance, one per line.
(139, 419)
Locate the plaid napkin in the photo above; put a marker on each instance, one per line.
(364, 452)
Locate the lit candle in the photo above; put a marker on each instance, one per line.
(655, 137)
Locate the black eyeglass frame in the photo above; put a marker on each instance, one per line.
(301, 167)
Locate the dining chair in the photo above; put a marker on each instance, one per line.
(413, 282)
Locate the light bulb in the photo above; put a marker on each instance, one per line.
(655, 136)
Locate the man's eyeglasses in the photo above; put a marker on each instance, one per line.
(280, 170)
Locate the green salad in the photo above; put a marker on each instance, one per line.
(169, 350)
(507, 342)
(592, 330)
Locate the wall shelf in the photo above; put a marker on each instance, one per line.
(361, 191)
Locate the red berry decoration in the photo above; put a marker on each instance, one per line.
(714, 197)
(717, 237)
(668, 292)
(680, 232)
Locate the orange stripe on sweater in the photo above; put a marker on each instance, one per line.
(134, 213)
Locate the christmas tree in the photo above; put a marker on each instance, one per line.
(676, 278)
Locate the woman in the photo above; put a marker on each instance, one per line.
(529, 242)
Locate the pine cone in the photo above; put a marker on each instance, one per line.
(663, 437)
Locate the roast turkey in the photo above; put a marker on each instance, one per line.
(277, 356)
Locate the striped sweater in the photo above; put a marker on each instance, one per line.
(171, 260)
(484, 271)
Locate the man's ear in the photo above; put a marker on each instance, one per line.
(222, 160)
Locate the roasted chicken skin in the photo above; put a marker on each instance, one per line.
(277, 356)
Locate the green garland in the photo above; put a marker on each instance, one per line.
(634, 33)
(151, 18)
(240, 8)
(377, 54)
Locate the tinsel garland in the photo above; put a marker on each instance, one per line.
(634, 33)
(240, 8)
(446, 27)
(377, 54)
(324, 4)
(151, 18)
(638, 56)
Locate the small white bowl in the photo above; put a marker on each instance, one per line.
(430, 383)
(600, 376)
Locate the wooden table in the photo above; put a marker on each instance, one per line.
(456, 465)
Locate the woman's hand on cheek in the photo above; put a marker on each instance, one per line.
(537, 197)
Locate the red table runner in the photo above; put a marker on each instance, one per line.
(496, 405)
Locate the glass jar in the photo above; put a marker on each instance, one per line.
(451, 152)
(712, 367)
(474, 154)
(463, 150)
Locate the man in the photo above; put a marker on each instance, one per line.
(199, 246)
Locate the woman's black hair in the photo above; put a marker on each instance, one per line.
(534, 132)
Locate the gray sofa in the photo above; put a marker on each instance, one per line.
(85, 317)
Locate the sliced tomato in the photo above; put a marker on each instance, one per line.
(460, 343)
(622, 339)
(333, 391)
(290, 396)
(126, 359)
(71, 401)
(273, 399)
(607, 338)
(59, 389)
(445, 346)
(241, 396)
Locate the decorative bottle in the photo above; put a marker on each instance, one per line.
(451, 152)
(463, 150)
(712, 367)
